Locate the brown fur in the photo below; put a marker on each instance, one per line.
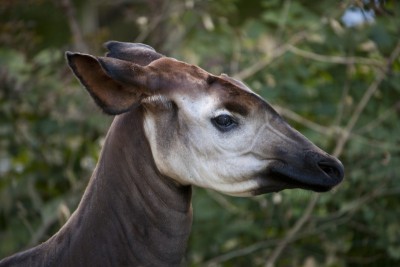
(136, 210)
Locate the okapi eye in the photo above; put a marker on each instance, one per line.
(224, 122)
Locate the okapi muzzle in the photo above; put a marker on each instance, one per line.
(299, 163)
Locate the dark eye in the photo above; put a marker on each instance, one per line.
(224, 122)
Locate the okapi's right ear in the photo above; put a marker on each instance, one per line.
(106, 79)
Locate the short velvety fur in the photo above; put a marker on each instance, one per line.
(177, 126)
(130, 214)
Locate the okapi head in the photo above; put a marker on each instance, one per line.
(205, 130)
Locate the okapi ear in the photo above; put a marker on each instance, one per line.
(115, 85)
(140, 54)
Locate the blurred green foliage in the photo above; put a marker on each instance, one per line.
(296, 54)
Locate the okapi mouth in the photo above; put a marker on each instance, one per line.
(291, 182)
(320, 176)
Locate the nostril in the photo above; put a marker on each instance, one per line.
(331, 168)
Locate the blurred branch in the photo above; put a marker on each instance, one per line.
(290, 46)
(334, 59)
(299, 119)
(154, 22)
(70, 13)
(336, 219)
(345, 94)
(59, 214)
(365, 99)
(336, 130)
(381, 118)
(293, 231)
(224, 203)
(158, 23)
(43, 229)
(268, 59)
(373, 143)
(350, 208)
(239, 252)
(284, 17)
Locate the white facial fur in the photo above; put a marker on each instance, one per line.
(195, 152)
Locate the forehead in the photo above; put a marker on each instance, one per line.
(187, 79)
(235, 96)
(173, 73)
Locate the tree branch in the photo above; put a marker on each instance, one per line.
(70, 13)
(293, 231)
(268, 59)
(364, 101)
(299, 119)
(381, 118)
(239, 252)
(334, 59)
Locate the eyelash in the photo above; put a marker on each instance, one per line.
(224, 122)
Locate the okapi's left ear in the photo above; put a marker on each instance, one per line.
(116, 85)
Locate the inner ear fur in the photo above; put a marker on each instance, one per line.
(112, 96)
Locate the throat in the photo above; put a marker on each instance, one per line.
(115, 228)
(130, 214)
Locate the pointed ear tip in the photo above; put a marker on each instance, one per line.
(110, 43)
(69, 54)
(105, 44)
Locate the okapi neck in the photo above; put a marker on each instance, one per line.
(136, 215)
(130, 214)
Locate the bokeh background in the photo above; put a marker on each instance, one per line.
(331, 68)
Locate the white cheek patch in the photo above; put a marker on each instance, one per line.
(205, 157)
(232, 177)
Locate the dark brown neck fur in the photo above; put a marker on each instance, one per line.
(130, 214)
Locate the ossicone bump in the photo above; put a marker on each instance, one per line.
(211, 79)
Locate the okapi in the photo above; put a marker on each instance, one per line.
(175, 125)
